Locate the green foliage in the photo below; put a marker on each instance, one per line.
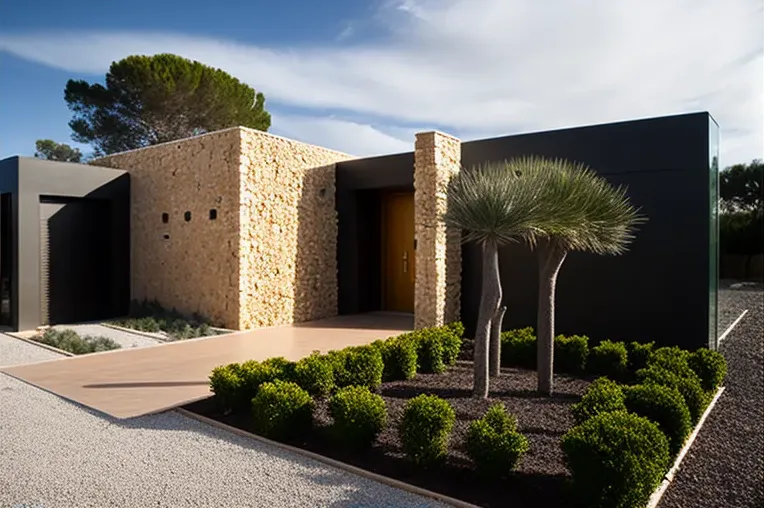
(664, 406)
(672, 358)
(315, 374)
(741, 187)
(358, 366)
(429, 350)
(518, 348)
(359, 416)
(603, 395)
(494, 444)
(150, 316)
(425, 429)
(281, 410)
(457, 328)
(227, 384)
(688, 385)
(617, 459)
(50, 150)
(451, 343)
(69, 340)
(638, 355)
(571, 353)
(254, 374)
(399, 358)
(710, 366)
(608, 358)
(148, 100)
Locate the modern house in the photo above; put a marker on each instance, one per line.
(253, 230)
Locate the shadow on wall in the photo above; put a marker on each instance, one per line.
(315, 269)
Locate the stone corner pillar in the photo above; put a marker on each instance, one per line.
(437, 293)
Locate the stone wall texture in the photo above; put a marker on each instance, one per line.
(288, 235)
(269, 255)
(437, 297)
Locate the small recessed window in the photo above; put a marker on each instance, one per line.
(213, 214)
(187, 216)
(165, 218)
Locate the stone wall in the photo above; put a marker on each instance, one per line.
(437, 297)
(192, 265)
(288, 236)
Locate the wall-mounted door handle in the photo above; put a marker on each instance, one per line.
(405, 261)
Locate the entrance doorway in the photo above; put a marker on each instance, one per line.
(398, 273)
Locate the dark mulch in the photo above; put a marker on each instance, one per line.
(541, 478)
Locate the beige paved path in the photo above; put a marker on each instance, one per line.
(134, 382)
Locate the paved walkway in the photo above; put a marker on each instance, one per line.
(54, 453)
(724, 468)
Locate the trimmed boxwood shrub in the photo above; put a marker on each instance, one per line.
(616, 459)
(570, 353)
(671, 358)
(226, 383)
(608, 358)
(429, 350)
(638, 355)
(457, 328)
(315, 374)
(281, 410)
(494, 444)
(359, 416)
(358, 366)
(254, 374)
(710, 366)
(452, 344)
(518, 348)
(425, 428)
(663, 405)
(603, 395)
(690, 388)
(398, 357)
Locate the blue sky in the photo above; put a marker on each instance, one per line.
(364, 76)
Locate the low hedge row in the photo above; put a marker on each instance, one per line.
(627, 435)
(428, 350)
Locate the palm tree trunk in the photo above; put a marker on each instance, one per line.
(550, 258)
(489, 303)
(494, 356)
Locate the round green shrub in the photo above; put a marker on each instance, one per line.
(710, 366)
(226, 383)
(452, 345)
(425, 429)
(494, 444)
(429, 350)
(359, 416)
(571, 353)
(616, 459)
(638, 355)
(358, 366)
(518, 348)
(603, 395)
(457, 328)
(254, 374)
(671, 358)
(399, 358)
(690, 388)
(608, 358)
(281, 410)
(665, 406)
(315, 374)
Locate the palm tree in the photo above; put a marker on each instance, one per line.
(493, 206)
(590, 215)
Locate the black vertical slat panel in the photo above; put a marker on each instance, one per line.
(45, 211)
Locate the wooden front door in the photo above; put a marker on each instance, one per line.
(398, 252)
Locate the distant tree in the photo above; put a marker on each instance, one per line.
(741, 187)
(52, 151)
(154, 99)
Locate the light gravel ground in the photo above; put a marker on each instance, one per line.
(54, 453)
(724, 468)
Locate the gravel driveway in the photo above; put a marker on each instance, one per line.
(54, 453)
(725, 466)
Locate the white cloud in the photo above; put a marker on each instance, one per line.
(489, 66)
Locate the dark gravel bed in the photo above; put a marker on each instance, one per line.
(725, 466)
(541, 476)
(732, 302)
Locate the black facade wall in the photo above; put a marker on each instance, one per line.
(47, 180)
(361, 184)
(9, 183)
(659, 290)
